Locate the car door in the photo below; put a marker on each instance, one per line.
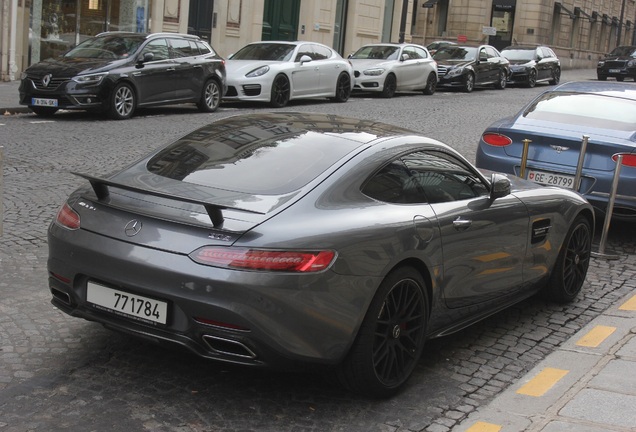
(329, 66)
(544, 64)
(154, 79)
(483, 68)
(411, 68)
(305, 76)
(188, 75)
(484, 242)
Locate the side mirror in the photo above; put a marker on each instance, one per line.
(146, 58)
(405, 57)
(305, 59)
(499, 186)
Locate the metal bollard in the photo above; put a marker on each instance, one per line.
(524, 158)
(579, 165)
(1, 189)
(610, 209)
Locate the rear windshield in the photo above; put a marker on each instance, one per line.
(590, 110)
(265, 52)
(259, 158)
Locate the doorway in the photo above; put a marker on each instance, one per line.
(280, 20)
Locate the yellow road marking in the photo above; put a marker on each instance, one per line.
(596, 336)
(629, 305)
(543, 382)
(484, 427)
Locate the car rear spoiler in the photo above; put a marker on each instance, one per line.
(215, 212)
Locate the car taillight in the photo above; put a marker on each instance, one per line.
(67, 218)
(496, 140)
(265, 260)
(628, 159)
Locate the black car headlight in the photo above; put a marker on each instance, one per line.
(92, 79)
(455, 72)
(600, 63)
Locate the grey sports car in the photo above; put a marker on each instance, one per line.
(291, 239)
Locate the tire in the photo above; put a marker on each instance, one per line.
(343, 88)
(390, 340)
(390, 85)
(532, 78)
(469, 82)
(280, 92)
(122, 102)
(572, 263)
(502, 81)
(431, 84)
(602, 77)
(556, 76)
(210, 97)
(43, 111)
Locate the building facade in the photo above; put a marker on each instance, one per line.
(580, 31)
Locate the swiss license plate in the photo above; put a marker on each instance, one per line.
(44, 102)
(614, 71)
(552, 179)
(127, 304)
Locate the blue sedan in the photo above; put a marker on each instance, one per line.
(555, 123)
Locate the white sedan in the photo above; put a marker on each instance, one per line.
(389, 68)
(277, 72)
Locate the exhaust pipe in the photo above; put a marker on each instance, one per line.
(61, 295)
(228, 347)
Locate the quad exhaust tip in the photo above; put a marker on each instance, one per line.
(61, 295)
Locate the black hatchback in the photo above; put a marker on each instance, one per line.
(619, 64)
(118, 72)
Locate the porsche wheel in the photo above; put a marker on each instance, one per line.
(122, 102)
(572, 263)
(343, 88)
(280, 92)
(391, 338)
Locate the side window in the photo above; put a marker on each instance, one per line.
(181, 48)
(393, 184)
(159, 48)
(442, 177)
(203, 49)
(321, 53)
(492, 53)
(482, 54)
(420, 53)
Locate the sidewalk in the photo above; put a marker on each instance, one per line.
(9, 98)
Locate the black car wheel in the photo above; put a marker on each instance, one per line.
(280, 92)
(502, 81)
(211, 97)
(431, 84)
(343, 88)
(532, 78)
(556, 76)
(469, 82)
(391, 338)
(122, 102)
(390, 85)
(43, 111)
(570, 269)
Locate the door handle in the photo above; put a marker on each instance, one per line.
(462, 224)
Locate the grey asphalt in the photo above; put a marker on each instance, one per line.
(587, 384)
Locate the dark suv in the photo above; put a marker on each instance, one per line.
(116, 73)
(619, 64)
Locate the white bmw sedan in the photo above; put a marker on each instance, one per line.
(389, 68)
(277, 72)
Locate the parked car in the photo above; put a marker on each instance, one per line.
(619, 64)
(465, 67)
(433, 47)
(117, 73)
(277, 72)
(285, 239)
(555, 122)
(532, 64)
(388, 68)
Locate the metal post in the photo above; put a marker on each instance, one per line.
(1, 195)
(608, 214)
(524, 158)
(579, 165)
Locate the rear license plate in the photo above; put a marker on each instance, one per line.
(127, 304)
(552, 179)
(614, 71)
(44, 102)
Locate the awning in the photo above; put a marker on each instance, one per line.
(429, 3)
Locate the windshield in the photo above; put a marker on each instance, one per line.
(107, 47)
(265, 51)
(456, 53)
(379, 52)
(623, 51)
(518, 54)
(589, 110)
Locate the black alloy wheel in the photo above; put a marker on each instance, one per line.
(390, 341)
(431, 84)
(556, 76)
(502, 81)
(122, 102)
(280, 92)
(570, 270)
(211, 96)
(343, 88)
(390, 86)
(469, 82)
(532, 78)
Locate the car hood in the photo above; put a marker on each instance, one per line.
(242, 67)
(370, 63)
(69, 67)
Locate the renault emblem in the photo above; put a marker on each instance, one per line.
(132, 228)
(46, 80)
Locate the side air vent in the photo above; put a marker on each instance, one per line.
(540, 230)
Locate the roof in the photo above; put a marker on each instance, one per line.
(604, 88)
